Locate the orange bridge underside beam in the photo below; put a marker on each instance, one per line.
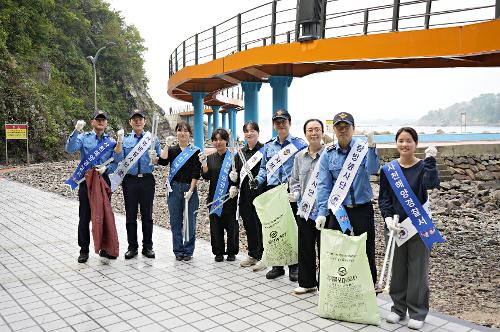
(475, 45)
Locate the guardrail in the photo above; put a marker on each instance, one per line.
(275, 23)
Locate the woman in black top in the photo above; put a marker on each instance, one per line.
(183, 186)
(409, 288)
(251, 221)
(211, 168)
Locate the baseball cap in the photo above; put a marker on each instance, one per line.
(137, 112)
(282, 114)
(101, 114)
(343, 117)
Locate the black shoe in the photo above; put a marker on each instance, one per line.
(219, 258)
(293, 274)
(104, 253)
(84, 256)
(231, 258)
(188, 258)
(131, 253)
(149, 253)
(275, 272)
(179, 258)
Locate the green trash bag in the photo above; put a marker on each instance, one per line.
(279, 230)
(346, 290)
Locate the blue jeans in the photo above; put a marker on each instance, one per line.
(176, 209)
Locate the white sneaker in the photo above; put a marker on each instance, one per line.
(302, 290)
(259, 267)
(393, 318)
(415, 324)
(249, 261)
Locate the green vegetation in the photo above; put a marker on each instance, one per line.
(481, 111)
(46, 79)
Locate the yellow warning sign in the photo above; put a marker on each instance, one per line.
(16, 131)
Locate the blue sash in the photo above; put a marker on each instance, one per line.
(412, 206)
(181, 159)
(88, 161)
(299, 143)
(222, 184)
(343, 219)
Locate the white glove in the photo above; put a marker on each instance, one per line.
(431, 151)
(233, 192)
(79, 125)
(203, 159)
(370, 139)
(320, 222)
(188, 194)
(101, 169)
(169, 140)
(233, 175)
(119, 136)
(391, 224)
(152, 155)
(293, 197)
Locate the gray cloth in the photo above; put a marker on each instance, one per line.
(303, 166)
(409, 282)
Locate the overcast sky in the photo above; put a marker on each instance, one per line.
(367, 94)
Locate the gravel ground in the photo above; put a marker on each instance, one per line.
(464, 271)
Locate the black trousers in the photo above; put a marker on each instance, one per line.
(139, 192)
(227, 221)
(253, 228)
(308, 242)
(363, 221)
(85, 215)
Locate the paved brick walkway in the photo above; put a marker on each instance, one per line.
(43, 288)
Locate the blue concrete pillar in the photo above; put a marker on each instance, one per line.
(209, 125)
(251, 100)
(229, 119)
(235, 130)
(199, 138)
(216, 116)
(224, 120)
(280, 85)
(232, 121)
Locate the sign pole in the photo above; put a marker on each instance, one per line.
(6, 150)
(27, 150)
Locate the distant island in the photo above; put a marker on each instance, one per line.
(480, 111)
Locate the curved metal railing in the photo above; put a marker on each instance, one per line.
(232, 93)
(275, 23)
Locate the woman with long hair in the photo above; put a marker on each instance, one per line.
(185, 171)
(409, 288)
(222, 214)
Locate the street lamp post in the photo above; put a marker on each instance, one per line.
(93, 59)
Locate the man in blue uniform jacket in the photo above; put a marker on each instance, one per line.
(358, 201)
(85, 143)
(139, 188)
(277, 173)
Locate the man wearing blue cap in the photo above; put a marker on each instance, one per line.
(278, 170)
(85, 143)
(344, 185)
(139, 184)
